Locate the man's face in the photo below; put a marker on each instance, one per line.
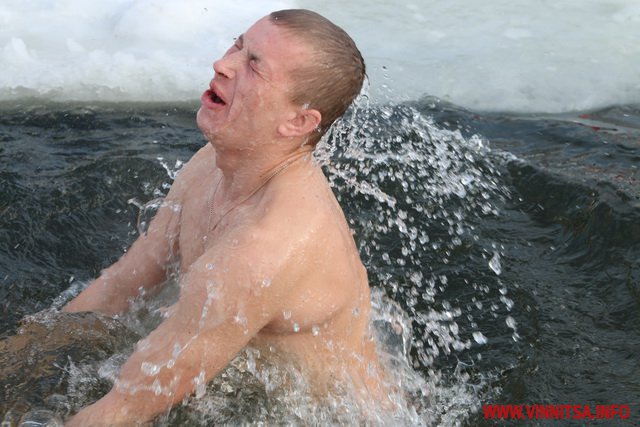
(249, 95)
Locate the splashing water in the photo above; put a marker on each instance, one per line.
(413, 193)
(413, 185)
(414, 188)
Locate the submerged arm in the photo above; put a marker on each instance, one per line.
(218, 312)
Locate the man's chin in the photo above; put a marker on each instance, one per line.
(210, 132)
(204, 121)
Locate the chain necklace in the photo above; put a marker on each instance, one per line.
(269, 177)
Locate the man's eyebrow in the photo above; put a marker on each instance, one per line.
(240, 42)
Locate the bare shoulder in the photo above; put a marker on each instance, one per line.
(200, 164)
(301, 213)
(305, 230)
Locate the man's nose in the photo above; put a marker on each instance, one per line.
(224, 67)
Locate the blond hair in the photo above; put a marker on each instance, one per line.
(335, 76)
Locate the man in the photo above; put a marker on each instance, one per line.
(265, 255)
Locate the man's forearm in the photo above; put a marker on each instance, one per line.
(138, 397)
(102, 296)
(116, 409)
(112, 292)
(155, 377)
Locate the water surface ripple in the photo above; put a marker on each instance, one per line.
(510, 244)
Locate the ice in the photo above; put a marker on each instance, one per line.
(494, 55)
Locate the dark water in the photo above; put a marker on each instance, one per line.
(512, 243)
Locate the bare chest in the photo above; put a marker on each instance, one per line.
(196, 234)
(203, 224)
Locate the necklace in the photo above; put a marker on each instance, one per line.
(278, 170)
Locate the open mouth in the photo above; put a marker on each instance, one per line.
(215, 98)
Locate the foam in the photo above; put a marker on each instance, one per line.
(493, 55)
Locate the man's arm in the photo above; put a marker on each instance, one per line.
(142, 267)
(219, 310)
(146, 263)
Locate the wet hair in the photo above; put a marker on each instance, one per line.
(336, 72)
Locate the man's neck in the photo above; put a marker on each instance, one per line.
(245, 171)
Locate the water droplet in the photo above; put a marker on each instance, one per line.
(210, 266)
(494, 263)
(39, 417)
(454, 328)
(397, 328)
(176, 350)
(143, 344)
(266, 283)
(286, 314)
(479, 338)
(296, 327)
(240, 320)
(149, 369)
(508, 302)
(211, 289)
(200, 390)
(156, 387)
(315, 330)
(201, 385)
(355, 312)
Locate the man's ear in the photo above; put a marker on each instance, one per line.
(302, 123)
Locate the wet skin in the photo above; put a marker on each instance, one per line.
(266, 256)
